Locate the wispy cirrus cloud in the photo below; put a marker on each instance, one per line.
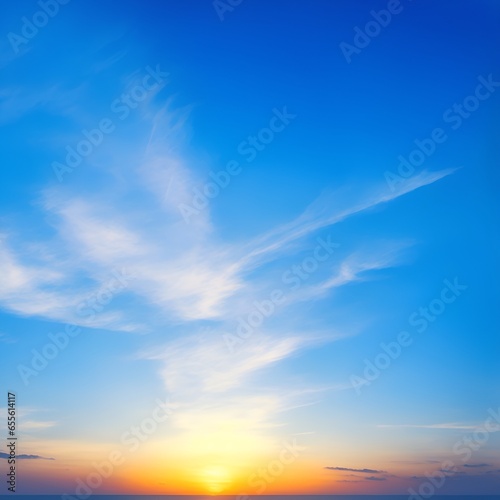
(450, 426)
(30, 425)
(196, 278)
(29, 420)
(188, 274)
(205, 366)
(363, 471)
(330, 209)
(24, 456)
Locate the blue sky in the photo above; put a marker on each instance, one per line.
(327, 135)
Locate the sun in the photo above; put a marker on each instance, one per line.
(216, 478)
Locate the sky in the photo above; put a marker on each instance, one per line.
(250, 247)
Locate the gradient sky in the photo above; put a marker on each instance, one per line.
(170, 330)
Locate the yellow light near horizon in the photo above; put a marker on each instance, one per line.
(216, 478)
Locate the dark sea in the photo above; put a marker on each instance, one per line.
(260, 497)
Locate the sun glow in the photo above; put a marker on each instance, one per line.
(216, 478)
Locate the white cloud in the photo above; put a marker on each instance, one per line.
(189, 364)
(448, 426)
